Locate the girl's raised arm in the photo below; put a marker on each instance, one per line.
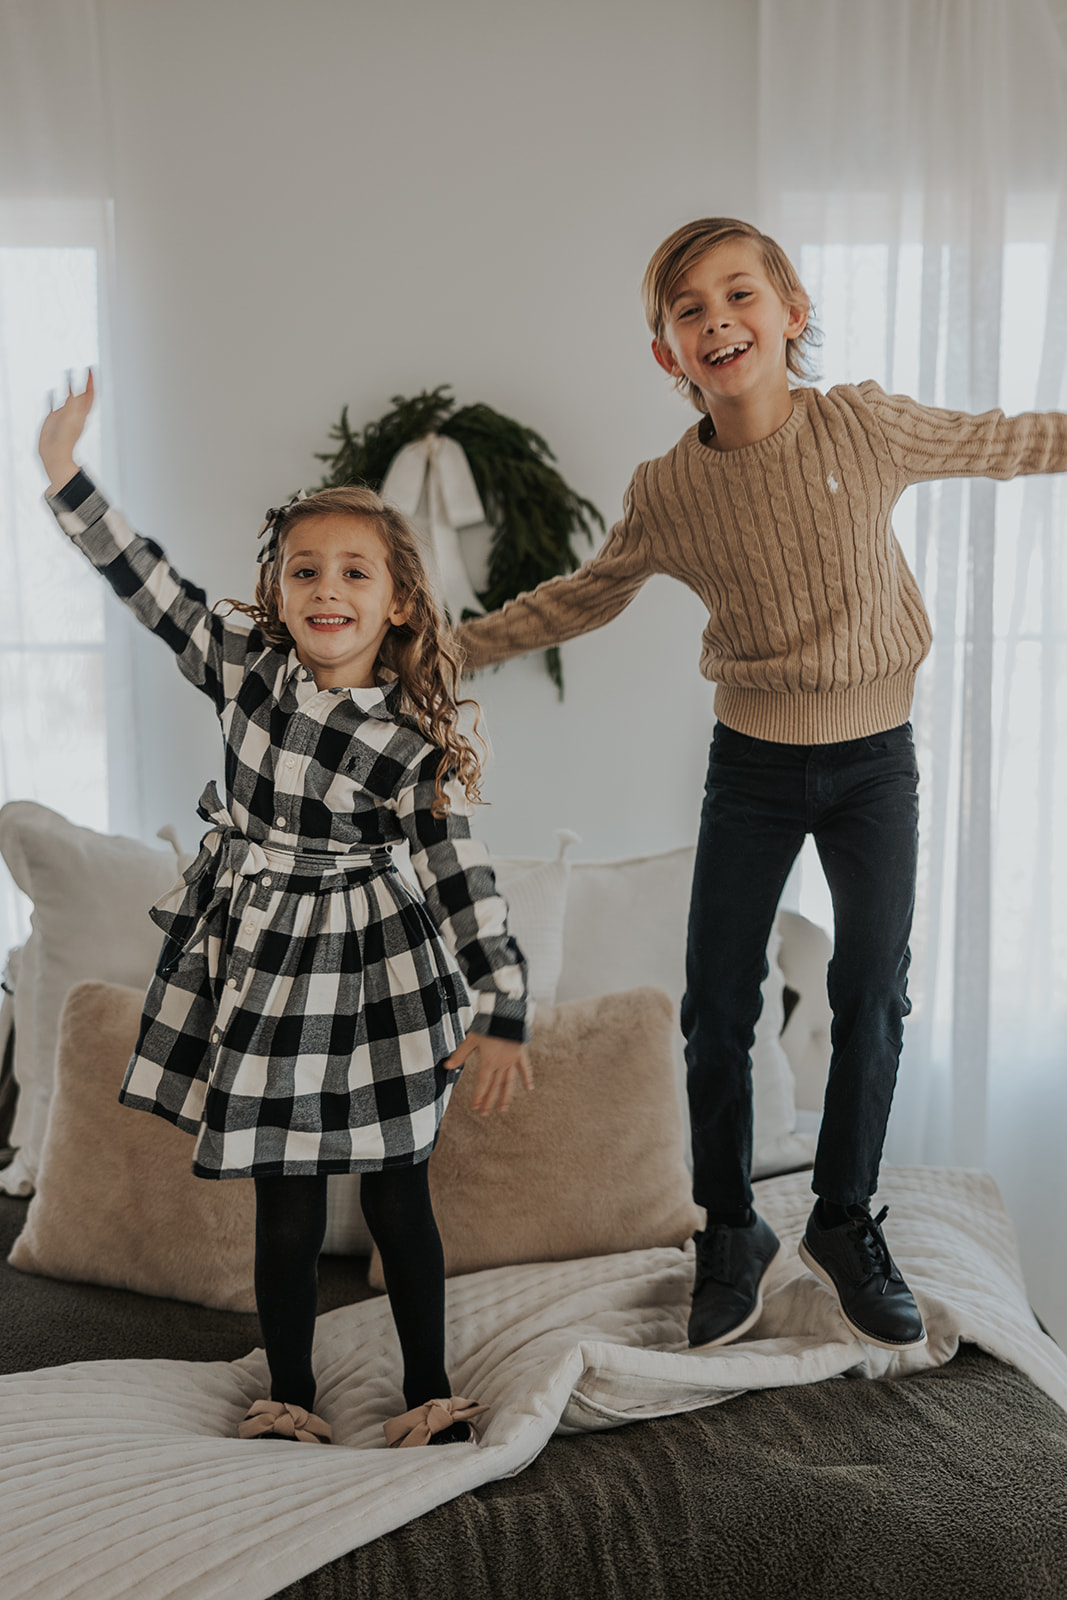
(60, 432)
(211, 650)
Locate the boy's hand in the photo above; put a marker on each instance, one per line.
(500, 1063)
(61, 431)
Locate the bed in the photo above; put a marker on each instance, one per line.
(797, 1464)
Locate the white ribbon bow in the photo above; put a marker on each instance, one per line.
(431, 482)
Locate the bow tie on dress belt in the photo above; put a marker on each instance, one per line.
(200, 900)
(246, 858)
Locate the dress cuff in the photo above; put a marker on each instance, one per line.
(499, 1017)
(73, 494)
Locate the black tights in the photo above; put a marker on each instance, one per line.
(290, 1227)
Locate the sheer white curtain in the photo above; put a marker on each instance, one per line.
(66, 724)
(912, 163)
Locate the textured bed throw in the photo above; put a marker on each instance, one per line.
(125, 1479)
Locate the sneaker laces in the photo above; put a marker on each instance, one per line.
(872, 1250)
(714, 1256)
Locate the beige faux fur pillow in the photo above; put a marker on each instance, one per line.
(116, 1202)
(588, 1164)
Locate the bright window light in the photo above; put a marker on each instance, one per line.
(868, 302)
(53, 719)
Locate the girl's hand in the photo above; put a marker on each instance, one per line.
(500, 1063)
(60, 433)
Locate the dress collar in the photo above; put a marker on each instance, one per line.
(381, 700)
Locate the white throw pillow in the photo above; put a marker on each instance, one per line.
(91, 895)
(625, 928)
(536, 893)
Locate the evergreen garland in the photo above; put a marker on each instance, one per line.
(531, 510)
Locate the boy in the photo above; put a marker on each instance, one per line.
(775, 509)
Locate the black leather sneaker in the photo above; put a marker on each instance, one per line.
(727, 1293)
(853, 1260)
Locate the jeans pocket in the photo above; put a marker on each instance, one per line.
(733, 749)
(891, 741)
(894, 751)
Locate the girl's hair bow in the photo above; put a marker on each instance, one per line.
(274, 519)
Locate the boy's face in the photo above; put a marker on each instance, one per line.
(335, 595)
(728, 328)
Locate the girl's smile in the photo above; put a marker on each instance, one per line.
(337, 599)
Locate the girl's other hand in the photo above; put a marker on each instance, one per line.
(61, 431)
(501, 1063)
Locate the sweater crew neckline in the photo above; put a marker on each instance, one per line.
(702, 447)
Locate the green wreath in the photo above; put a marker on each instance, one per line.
(532, 511)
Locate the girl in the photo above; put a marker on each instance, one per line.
(775, 509)
(306, 1017)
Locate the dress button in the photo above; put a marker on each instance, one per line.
(231, 983)
(265, 880)
(279, 822)
(290, 761)
(215, 1036)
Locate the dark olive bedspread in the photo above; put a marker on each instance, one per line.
(948, 1486)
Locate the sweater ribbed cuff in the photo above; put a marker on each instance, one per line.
(826, 718)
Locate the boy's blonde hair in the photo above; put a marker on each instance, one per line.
(679, 253)
(421, 650)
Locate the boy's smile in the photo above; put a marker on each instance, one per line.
(728, 331)
(335, 595)
(728, 353)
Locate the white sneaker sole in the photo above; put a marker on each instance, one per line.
(749, 1322)
(861, 1333)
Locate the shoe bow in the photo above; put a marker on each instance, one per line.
(418, 1425)
(278, 1420)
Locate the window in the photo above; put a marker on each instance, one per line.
(935, 323)
(54, 659)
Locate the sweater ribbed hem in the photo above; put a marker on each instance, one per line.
(826, 718)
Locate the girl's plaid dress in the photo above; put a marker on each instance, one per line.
(305, 1001)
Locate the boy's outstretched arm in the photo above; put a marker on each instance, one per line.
(928, 442)
(60, 432)
(564, 607)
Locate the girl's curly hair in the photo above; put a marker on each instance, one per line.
(422, 651)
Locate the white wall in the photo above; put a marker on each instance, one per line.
(329, 202)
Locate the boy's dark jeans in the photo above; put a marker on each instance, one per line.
(859, 800)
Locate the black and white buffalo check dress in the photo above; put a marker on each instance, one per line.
(305, 1000)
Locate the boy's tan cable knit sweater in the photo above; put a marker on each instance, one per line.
(816, 626)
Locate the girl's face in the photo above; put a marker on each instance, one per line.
(336, 597)
(728, 328)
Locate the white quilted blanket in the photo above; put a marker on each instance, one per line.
(126, 1479)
